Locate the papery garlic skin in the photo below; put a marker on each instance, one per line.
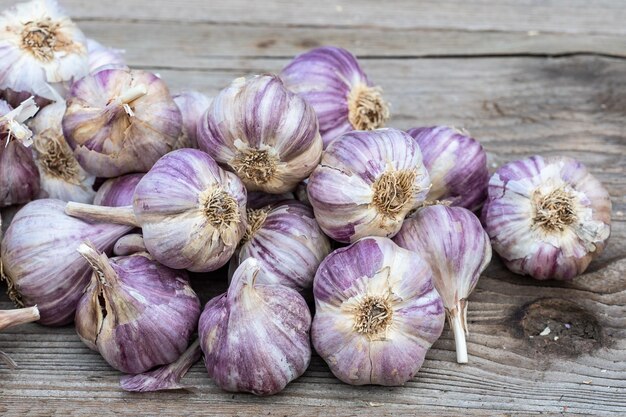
(19, 178)
(547, 217)
(331, 80)
(376, 312)
(192, 106)
(41, 50)
(118, 192)
(40, 262)
(101, 57)
(120, 121)
(457, 165)
(286, 241)
(453, 242)
(136, 313)
(61, 175)
(255, 337)
(265, 134)
(192, 212)
(366, 183)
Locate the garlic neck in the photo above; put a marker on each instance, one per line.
(457, 319)
(132, 94)
(9, 318)
(366, 108)
(99, 262)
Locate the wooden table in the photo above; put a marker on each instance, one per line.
(523, 76)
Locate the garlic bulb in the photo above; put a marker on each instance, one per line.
(286, 241)
(120, 121)
(19, 178)
(457, 165)
(331, 80)
(61, 175)
(367, 183)
(167, 377)
(192, 106)
(101, 57)
(192, 213)
(118, 192)
(42, 50)
(453, 242)
(262, 132)
(376, 312)
(136, 313)
(255, 337)
(40, 262)
(547, 217)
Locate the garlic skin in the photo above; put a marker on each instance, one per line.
(19, 178)
(331, 80)
(547, 217)
(101, 57)
(136, 313)
(120, 121)
(42, 50)
(286, 241)
(192, 106)
(61, 176)
(457, 165)
(376, 312)
(453, 242)
(118, 192)
(129, 244)
(366, 183)
(265, 134)
(255, 337)
(40, 262)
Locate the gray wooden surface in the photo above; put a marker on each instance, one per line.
(523, 76)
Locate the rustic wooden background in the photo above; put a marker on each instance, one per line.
(523, 76)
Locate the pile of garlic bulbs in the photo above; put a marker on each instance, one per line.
(340, 236)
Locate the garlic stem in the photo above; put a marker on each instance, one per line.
(9, 318)
(133, 94)
(102, 214)
(456, 322)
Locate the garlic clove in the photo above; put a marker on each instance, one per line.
(255, 338)
(457, 165)
(286, 241)
(61, 176)
(120, 121)
(136, 313)
(376, 312)
(42, 50)
(265, 134)
(192, 105)
(40, 262)
(366, 183)
(118, 192)
(166, 377)
(101, 57)
(547, 217)
(331, 80)
(457, 249)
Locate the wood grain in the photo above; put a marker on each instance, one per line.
(523, 77)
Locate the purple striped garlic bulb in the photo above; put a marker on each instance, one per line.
(192, 213)
(547, 217)
(457, 165)
(265, 134)
(19, 177)
(120, 121)
(367, 183)
(42, 51)
(40, 262)
(118, 192)
(453, 242)
(255, 337)
(286, 241)
(331, 80)
(136, 313)
(192, 106)
(376, 312)
(101, 57)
